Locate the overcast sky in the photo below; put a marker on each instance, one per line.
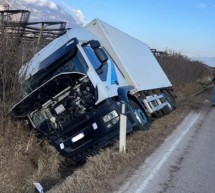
(187, 26)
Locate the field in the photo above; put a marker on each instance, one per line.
(26, 159)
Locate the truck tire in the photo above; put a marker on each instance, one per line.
(139, 115)
(170, 99)
(158, 114)
(167, 109)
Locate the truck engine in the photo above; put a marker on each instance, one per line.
(61, 102)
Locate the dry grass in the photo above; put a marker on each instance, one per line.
(25, 159)
(182, 91)
(182, 70)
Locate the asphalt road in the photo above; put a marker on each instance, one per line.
(185, 163)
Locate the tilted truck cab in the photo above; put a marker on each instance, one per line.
(73, 88)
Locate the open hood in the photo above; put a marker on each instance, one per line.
(45, 92)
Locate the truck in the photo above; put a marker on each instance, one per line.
(74, 87)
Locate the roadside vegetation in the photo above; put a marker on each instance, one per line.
(26, 159)
(186, 75)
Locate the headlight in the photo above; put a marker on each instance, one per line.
(110, 116)
(77, 137)
(111, 119)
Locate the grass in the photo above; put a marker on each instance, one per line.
(24, 159)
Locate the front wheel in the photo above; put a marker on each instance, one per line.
(140, 116)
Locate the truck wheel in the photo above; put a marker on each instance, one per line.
(158, 114)
(167, 109)
(170, 99)
(140, 115)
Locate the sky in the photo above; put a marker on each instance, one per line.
(186, 26)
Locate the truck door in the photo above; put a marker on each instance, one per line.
(110, 75)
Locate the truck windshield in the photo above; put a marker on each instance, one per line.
(72, 62)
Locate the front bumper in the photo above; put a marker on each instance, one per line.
(91, 132)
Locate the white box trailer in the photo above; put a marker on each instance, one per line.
(133, 57)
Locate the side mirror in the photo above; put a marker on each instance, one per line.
(101, 55)
(94, 44)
